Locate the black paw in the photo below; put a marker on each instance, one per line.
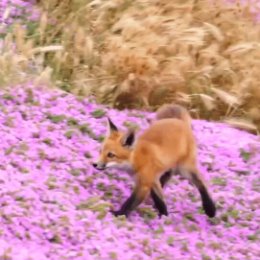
(117, 213)
(210, 209)
(163, 214)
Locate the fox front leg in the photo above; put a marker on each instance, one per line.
(128, 205)
(157, 196)
(136, 198)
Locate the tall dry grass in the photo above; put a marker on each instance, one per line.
(22, 61)
(137, 53)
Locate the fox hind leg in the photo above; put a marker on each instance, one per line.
(168, 174)
(207, 202)
(165, 177)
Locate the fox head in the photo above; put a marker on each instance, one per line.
(116, 148)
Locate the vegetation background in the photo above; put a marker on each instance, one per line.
(140, 54)
(202, 54)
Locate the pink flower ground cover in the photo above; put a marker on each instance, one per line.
(19, 11)
(54, 205)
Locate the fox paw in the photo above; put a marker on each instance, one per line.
(117, 213)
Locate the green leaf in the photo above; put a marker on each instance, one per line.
(56, 118)
(98, 113)
(219, 181)
(245, 155)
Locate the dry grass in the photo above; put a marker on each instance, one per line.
(144, 53)
(21, 61)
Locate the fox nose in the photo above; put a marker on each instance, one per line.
(94, 165)
(99, 166)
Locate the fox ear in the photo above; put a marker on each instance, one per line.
(111, 125)
(129, 138)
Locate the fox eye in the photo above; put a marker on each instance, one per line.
(111, 155)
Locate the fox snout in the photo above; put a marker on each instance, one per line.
(99, 165)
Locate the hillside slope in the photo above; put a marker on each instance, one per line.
(54, 205)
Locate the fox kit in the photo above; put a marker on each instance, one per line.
(167, 144)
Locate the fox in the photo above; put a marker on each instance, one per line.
(168, 145)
